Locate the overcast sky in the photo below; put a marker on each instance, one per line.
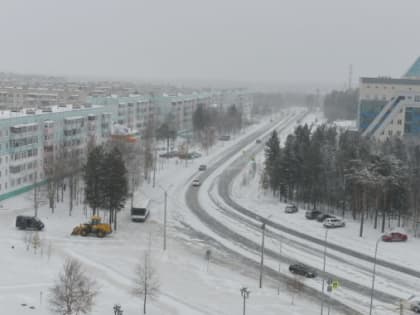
(278, 41)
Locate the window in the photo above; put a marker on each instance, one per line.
(399, 122)
(389, 132)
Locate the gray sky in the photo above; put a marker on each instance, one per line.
(293, 41)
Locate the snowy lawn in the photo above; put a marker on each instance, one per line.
(186, 285)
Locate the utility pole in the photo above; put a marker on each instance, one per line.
(280, 253)
(323, 270)
(373, 277)
(164, 220)
(36, 195)
(262, 254)
(350, 76)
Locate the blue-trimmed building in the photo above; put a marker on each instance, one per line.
(388, 107)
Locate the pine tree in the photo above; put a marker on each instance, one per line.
(115, 186)
(272, 158)
(93, 176)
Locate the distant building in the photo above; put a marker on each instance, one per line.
(390, 107)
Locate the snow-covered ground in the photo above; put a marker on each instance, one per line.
(187, 287)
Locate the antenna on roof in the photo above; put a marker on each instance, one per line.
(350, 76)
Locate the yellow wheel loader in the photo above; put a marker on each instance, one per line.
(93, 227)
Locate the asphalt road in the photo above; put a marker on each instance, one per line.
(224, 231)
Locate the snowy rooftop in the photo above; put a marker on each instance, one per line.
(6, 114)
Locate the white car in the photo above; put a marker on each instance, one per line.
(334, 222)
(196, 182)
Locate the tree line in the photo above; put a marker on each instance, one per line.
(327, 170)
(207, 121)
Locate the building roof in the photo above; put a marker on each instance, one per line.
(387, 80)
(414, 70)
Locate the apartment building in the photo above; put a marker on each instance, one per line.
(30, 138)
(134, 111)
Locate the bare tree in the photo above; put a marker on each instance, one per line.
(146, 282)
(54, 172)
(74, 292)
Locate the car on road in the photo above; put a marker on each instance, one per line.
(334, 223)
(24, 222)
(415, 307)
(323, 216)
(202, 167)
(312, 214)
(258, 141)
(291, 208)
(394, 237)
(196, 182)
(302, 270)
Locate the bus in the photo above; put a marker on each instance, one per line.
(140, 209)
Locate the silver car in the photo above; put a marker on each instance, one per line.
(334, 222)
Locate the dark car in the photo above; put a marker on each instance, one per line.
(323, 216)
(291, 209)
(394, 237)
(258, 141)
(415, 307)
(29, 222)
(302, 270)
(312, 214)
(202, 167)
(224, 138)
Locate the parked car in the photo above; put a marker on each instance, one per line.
(415, 307)
(323, 216)
(312, 214)
(169, 154)
(202, 167)
(258, 141)
(224, 138)
(394, 237)
(196, 182)
(291, 209)
(24, 222)
(303, 270)
(334, 222)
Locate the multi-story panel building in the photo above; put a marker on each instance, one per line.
(134, 111)
(30, 139)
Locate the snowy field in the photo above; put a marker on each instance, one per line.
(187, 287)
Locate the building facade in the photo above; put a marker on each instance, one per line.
(389, 107)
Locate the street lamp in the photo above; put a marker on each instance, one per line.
(245, 294)
(165, 194)
(373, 276)
(323, 270)
(262, 253)
(262, 248)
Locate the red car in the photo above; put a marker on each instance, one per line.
(394, 237)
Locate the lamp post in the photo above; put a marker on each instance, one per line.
(245, 295)
(280, 255)
(323, 270)
(373, 276)
(165, 194)
(262, 248)
(262, 253)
